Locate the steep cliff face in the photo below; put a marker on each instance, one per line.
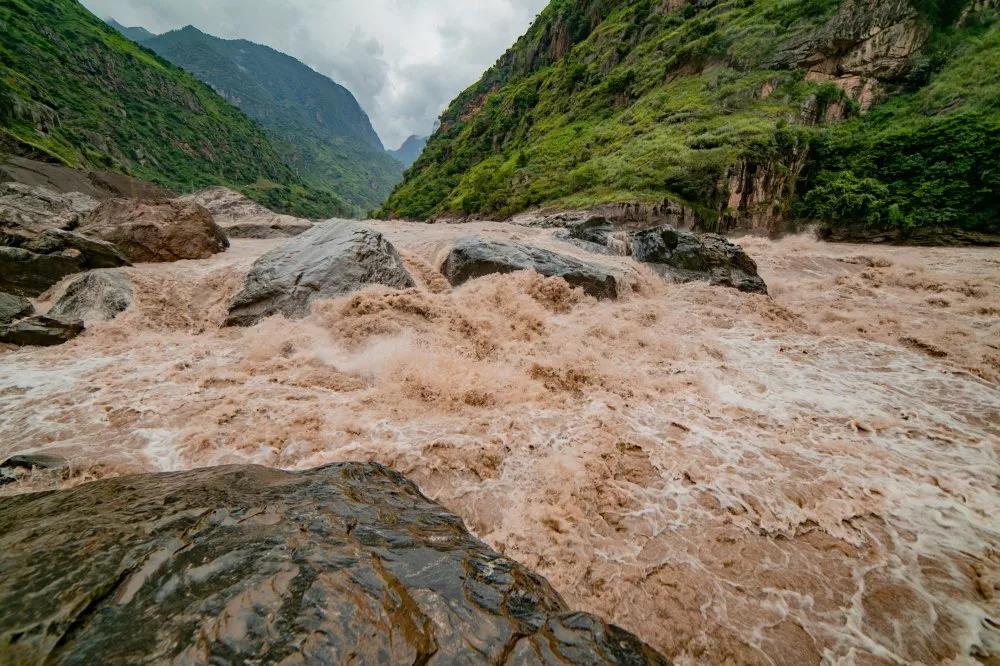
(713, 105)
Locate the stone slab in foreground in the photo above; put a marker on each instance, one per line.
(347, 563)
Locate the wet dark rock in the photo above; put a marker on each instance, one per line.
(681, 256)
(49, 257)
(13, 308)
(473, 257)
(16, 467)
(330, 260)
(156, 231)
(244, 564)
(40, 331)
(94, 296)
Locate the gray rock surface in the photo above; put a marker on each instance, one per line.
(154, 231)
(13, 308)
(27, 211)
(51, 256)
(329, 260)
(241, 217)
(347, 563)
(13, 469)
(40, 331)
(98, 185)
(472, 257)
(94, 296)
(682, 256)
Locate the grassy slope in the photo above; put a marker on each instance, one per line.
(76, 91)
(646, 104)
(317, 126)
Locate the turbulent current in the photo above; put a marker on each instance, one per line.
(810, 477)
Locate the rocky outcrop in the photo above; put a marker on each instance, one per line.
(241, 217)
(473, 257)
(329, 260)
(45, 260)
(630, 215)
(94, 296)
(28, 211)
(153, 231)
(13, 308)
(99, 185)
(680, 256)
(40, 331)
(864, 45)
(347, 563)
(758, 194)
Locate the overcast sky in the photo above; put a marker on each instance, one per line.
(403, 59)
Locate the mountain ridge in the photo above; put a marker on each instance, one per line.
(316, 124)
(409, 150)
(713, 108)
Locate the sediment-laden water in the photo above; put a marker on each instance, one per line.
(811, 476)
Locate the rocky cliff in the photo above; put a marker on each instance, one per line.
(726, 109)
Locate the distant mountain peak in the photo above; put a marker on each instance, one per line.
(410, 150)
(135, 33)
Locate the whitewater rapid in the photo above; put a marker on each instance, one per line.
(802, 478)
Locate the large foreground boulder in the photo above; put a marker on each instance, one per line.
(347, 563)
(682, 256)
(156, 231)
(241, 217)
(14, 307)
(94, 296)
(40, 331)
(27, 211)
(472, 257)
(46, 259)
(329, 260)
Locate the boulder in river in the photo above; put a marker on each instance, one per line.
(682, 256)
(472, 257)
(156, 231)
(329, 260)
(14, 468)
(46, 259)
(347, 563)
(241, 217)
(13, 308)
(40, 331)
(94, 296)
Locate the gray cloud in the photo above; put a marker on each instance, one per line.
(403, 59)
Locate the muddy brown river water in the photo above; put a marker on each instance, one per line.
(810, 477)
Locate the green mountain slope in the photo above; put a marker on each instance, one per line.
(317, 125)
(74, 90)
(728, 108)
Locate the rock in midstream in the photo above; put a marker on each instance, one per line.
(346, 563)
(241, 217)
(472, 257)
(330, 260)
(94, 296)
(40, 331)
(44, 260)
(13, 308)
(682, 256)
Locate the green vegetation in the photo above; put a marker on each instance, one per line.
(626, 101)
(317, 126)
(929, 157)
(75, 91)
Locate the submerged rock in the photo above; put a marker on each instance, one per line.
(241, 217)
(329, 260)
(682, 256)
(244, 564)
(15, 467)
(40, 331)
(13, 308)
(473, 257)
(94, 296)
(155, 231)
